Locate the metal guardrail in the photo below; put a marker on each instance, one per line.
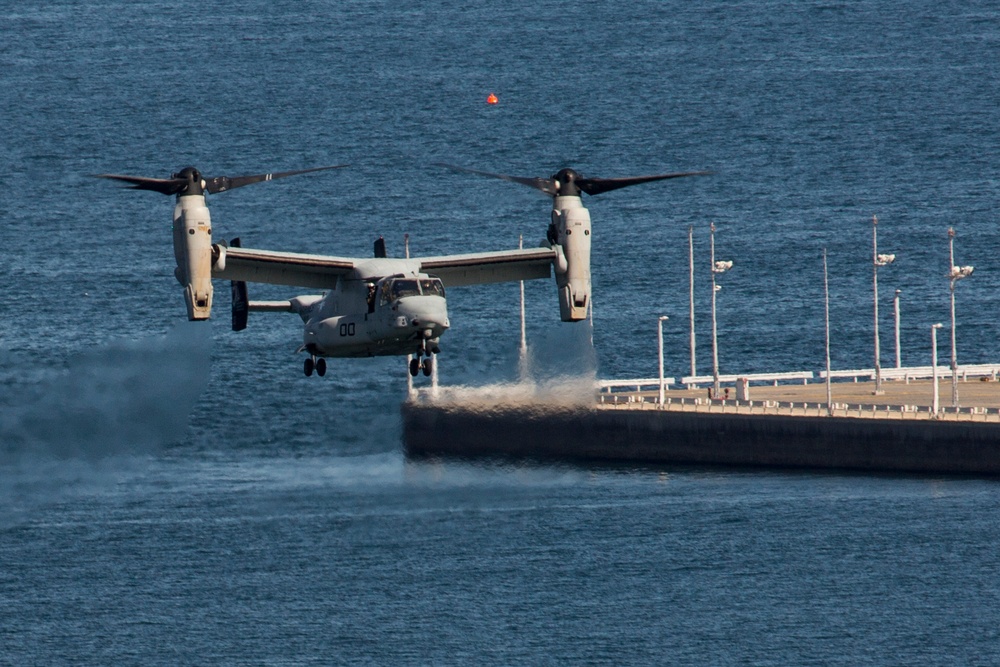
(916, 373)
(859, 374)
(610, 386)
(691, 381)
(696, 380)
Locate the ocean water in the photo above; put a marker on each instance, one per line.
(175, 493)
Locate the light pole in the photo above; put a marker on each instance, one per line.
(877, 261)
(936, 403)
(826, 308)
(409, 378)
(659, 348)
(895, 309)
(694, 366)
(717, 267)
(955, 273)
(522, 350)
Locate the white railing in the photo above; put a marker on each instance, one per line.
(774, 378)
(610, 386)
(860, 374)
(916, 373)
(856, 375)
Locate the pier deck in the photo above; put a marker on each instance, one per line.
(780, 426)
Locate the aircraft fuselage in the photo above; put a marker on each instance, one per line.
(367, 315)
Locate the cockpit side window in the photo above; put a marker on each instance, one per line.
(431, 287)
(404, 288)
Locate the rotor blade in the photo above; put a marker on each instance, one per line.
(167, 186)
(596, 186)
(223, 183)
(546, 185)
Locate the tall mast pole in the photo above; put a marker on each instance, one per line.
(694, 366)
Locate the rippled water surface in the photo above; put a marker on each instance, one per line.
(180, 494)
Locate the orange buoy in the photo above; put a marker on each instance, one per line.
(492, 99)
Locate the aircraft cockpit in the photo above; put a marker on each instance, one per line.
(432, 287)
(398, 287)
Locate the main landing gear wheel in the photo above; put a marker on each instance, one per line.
(313, 364)
(427, 349)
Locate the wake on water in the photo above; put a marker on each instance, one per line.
(115, 406)
(111, 406)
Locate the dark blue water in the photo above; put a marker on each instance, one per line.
(176, 494)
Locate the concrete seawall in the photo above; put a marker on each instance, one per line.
(700, 438)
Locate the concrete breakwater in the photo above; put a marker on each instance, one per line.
(711, 433)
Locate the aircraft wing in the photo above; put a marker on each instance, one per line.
(490, 267)
(281, 268)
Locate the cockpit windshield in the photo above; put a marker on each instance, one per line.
(431, 287)
(393, 289)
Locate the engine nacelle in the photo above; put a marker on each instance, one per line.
(193, 252)
(571, 231)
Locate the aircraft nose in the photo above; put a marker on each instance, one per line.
(428, 313)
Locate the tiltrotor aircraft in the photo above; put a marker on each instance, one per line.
(378, 305)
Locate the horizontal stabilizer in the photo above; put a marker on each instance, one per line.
(272, 307)
(303, 305)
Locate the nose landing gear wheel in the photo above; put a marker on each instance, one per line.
(428, 366)
(308, 366)
(414, 366)
(321, 367)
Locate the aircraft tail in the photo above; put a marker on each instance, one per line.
(241, 305)
(241, 299)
